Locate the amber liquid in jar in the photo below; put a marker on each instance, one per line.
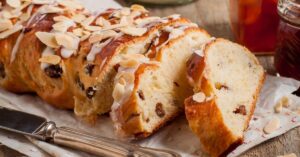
(255, 23)
(287, 57)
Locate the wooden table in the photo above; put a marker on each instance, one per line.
(212, 15)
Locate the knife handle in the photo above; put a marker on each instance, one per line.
(101, 146)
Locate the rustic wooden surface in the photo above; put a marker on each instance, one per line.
(212, 15)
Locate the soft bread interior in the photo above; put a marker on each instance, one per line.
(165, 88)
(235, 75)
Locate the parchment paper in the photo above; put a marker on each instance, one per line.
(176, 136)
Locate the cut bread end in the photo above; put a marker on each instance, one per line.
(230, 77)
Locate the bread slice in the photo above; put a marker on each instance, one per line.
(96, 95)
(227, 79)
(148, 94)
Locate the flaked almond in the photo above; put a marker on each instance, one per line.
(125, 11)
(67, 41)
(61, 18)
(11, 31)
(134, 31)
(73, 5)
(6, 14)
(46, 9)
(50, 59)
(272, 125)
(99, 36)
(102, 22)
(92, 28)
(144, 21)
(136, 7)
(199, 97)
(85, 36)
(78, 18)
(14, 3)
(5, 25)
(118, 92)
(63, 26)
(278, 107)
(135, 56)
(43, 2)
(129, 63)
(78, 32)
(88, 21)
(24, 16)
(288, 155)
(47, 38)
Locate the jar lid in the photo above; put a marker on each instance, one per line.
(289, 10)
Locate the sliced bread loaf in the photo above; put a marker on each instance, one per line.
(149, 93)
(227, 79)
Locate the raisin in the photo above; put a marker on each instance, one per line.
(79, 83)
(176, 84)
(159, 110)
(116, 67)
(90, 92)
(54, 71)
(141, 95)
(2, 70)
(240, 110)
(89, 69)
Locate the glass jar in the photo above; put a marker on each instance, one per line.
(254, 24)
(160, 2)
(287, 56)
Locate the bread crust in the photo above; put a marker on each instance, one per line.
(205, 118)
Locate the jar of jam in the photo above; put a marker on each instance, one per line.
(254, 24)
(287, 55)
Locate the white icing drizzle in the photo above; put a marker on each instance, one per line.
(96, 48)
(47, 51)
(200, 52)
(66, 53)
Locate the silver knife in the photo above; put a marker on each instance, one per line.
(39, 128)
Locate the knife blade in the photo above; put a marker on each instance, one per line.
(39, 128)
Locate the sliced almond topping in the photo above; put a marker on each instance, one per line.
(133, 31)
(88, 21)
(63, 26)
(135, 56)
(272, 125)
(78, 32)
(46, 9)
(199, 97)
(73, 5)
(5, 14)
(114, 26)
(136, 7)
(118, 92)
(102, 22)
(50, 59)
(85, 36)
(96, 37)
(47, 38)
(67, 41)
(43, 2)
(24, 16)
(13, 3)
(13, 30)
(61, 18)
(129, 63)
(143, 21)
(5, 25)
(288, 155)
(278, 107)
(78, 18)
(93, 28)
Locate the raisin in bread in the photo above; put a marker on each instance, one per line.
(227, 79)
(150, 92)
